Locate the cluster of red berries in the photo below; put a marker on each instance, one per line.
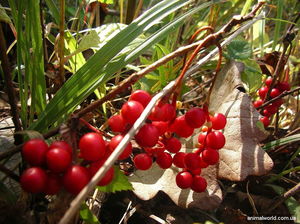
(52, 167)
(158, 142)
(273, 107)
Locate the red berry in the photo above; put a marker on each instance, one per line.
(115, 141)
(147, 136)
(278, 103)
(131, 111)
(184, 179)
(192, 161)
(199, 184)
(34, 152)
(269, 81)
(161, 126)
(164, 160)
(173, 145)
(53, 184)
(195, 117)
(140, 96)
(178, 159)
(92, 146)
(266, 121)
(107, 178)
(210, 156)
(271, 109)
(283, 86)
(275, 92)
(75, 179)
(117, 123)
(258, 103)
(33, 180)
(202, 163)
(142, 161)
(218, 121)
(156, 114)
(181, 128)
(196, 171)
(168, 111)
(58, 160)
(215, 140)
(263, 92)
(202, 138)
(61, 144)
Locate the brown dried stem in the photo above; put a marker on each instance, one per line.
(61, 42)
(8, 81)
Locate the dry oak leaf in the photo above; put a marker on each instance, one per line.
(240, 157)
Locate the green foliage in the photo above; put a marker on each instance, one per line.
(87, 216)
(3, 16)
(119, 183)
(106, 62)
(281, 141)
(238, 49)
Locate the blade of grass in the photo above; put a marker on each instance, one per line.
(297, 153)
(278, 23)
(246, 7)
(53, 9)
(91, 75)
(281, 141)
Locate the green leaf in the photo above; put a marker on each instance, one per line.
(251, 76)
(239, 49)
(105, 62)
(282, 141)
(291, 203)
(87, 216)
(119, 183)
(53, 10)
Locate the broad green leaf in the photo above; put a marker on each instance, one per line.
(251, 76)
(281, 141)
(88, 41)
(119, 183)
(239, 49)
(87, 216)
(291, 203)
(105, 62)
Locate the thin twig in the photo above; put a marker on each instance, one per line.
(8, 81)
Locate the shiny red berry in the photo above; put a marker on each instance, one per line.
(266, 121)
(210, 156)
(258, 103)
(218, 121)
(115, 141)
(92, 146)
(76, 178)
(181, 128)
(34, 152)
(173, 145)
(147, 136)
(269, 81)
(142, 161)
(184, 179)
(178, 159)
(164, 160)
(61, 144)
(199, 184)
(263, 92)
(192, 161)
(195, 117)
(117, 123)
(215, 140)
(131, 111)
(168, 111)
(275, 92)
(283, 86)
(58, 160)
(140, 96)
(33, 180)
(162, 126)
